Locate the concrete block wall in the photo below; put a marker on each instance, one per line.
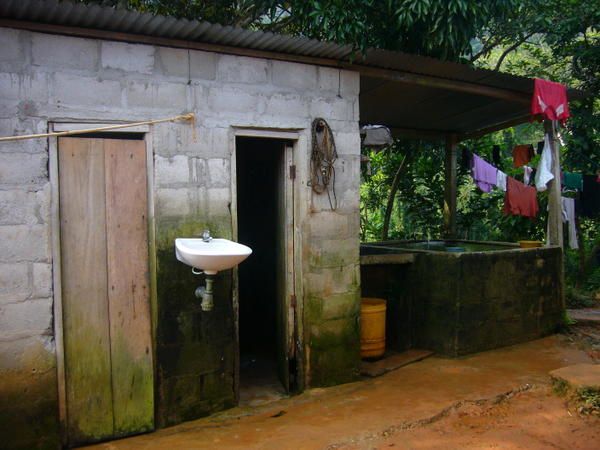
(46, 78)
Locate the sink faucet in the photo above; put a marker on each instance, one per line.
(206, 237)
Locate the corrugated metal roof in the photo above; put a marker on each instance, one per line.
(386, 102)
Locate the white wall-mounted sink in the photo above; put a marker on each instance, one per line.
(212, 256)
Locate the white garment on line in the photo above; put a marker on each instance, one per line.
(568, 215)
(501, 180)
(544, 170)
(527, 174)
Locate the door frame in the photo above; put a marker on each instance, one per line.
(55, 245)
(293, 286)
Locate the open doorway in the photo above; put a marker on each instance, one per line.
(263, 215)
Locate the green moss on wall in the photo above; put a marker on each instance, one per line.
(195, 349)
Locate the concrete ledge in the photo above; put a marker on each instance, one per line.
(579, 376)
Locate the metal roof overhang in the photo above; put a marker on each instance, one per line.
(414, 95)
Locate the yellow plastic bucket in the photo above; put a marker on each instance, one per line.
(530, 244)
(372, 327)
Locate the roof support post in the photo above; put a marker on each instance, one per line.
(555, 224)
(450, 187)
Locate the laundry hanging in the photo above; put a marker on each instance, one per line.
(501, 181)
(590, 197)
(544, 169)
(549, 101)
(527, 171)
(522, 154)
(520, 200)
(484, 174)
(572, 180)
(568, 216)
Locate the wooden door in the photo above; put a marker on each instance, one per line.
(286, 300)
(105, 295)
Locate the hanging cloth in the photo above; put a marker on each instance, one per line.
(496, 156)
(573, 180)
(549, 101)
(568, 215)
(520, 200)
(484, 174)
(527, 171)
(501, 181)
(544, 169)
(522, 154)
(590, 197)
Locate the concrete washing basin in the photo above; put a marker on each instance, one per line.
(212, 256)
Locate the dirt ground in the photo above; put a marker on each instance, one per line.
(501, 399)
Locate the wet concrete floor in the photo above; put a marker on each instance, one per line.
(378, 412)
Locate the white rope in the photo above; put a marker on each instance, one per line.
(190, 116)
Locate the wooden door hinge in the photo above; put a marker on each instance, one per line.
(293, 172)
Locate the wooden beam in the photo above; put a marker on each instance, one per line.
(497, 127)
(450, 188)
(375, 72)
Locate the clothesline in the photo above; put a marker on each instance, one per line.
(189, 116)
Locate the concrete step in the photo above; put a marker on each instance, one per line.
(392, 361)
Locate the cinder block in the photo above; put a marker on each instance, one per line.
(328, 224)
(172, 171)
(172, 203)
(294, 75)
(24, 243)
(18, 207)
(239, 69)
(127, 57)
(14, 282)
(226, 99)
(347, 143)
(23, 168)
(187, 64)
(203, 65)
(11, 48)
(219, 200)
(341, 306)
(329, 79)
(329, 253)
(350, 83)
(219, 173)
(27, 318)
(85, 91)
(332, 108)
(64, 52)
(163, 96)
(171, 96)
(286, 105)
(328, 281)
(42, 280)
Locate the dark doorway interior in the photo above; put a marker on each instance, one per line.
(258, 168)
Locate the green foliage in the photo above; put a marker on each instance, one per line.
(443, 29)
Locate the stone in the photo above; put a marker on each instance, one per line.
(128, 57)
(579, 376)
